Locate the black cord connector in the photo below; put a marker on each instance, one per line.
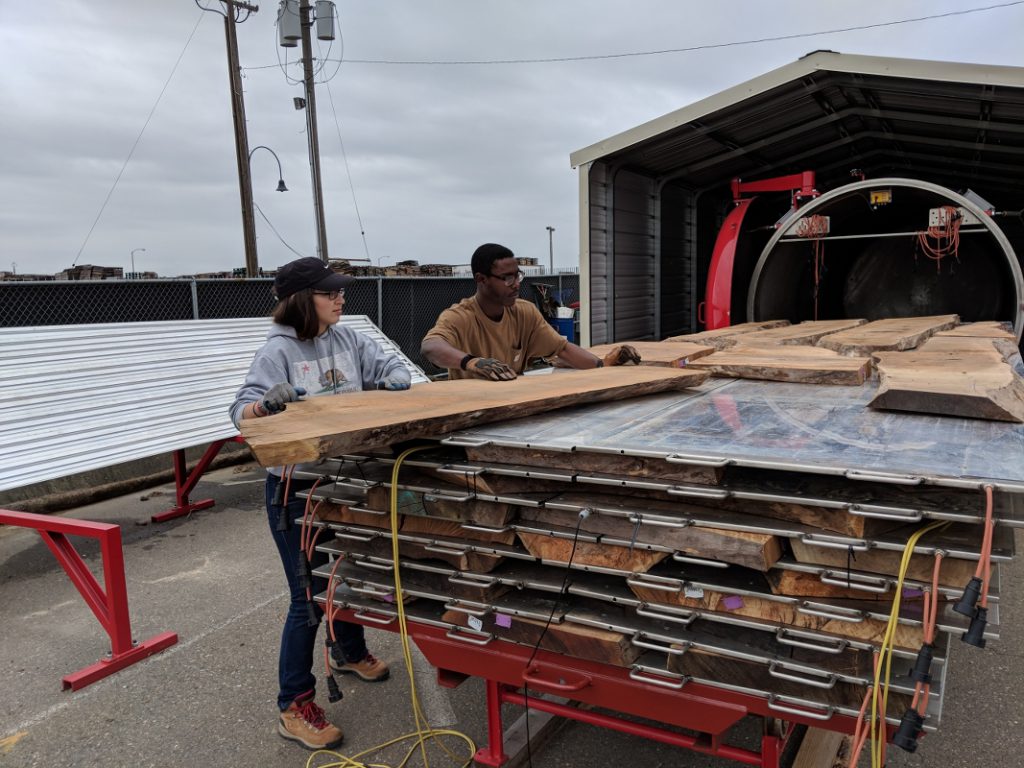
(311, 618)
(910, 728)
(922, 671)
(975, 634)
(969, 599)
(279, 494)
(336, 652)
(303, 572)
(333, 691)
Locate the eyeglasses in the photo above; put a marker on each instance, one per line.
(510, 280)
(332, 295)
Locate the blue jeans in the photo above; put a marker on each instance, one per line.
(298, 641)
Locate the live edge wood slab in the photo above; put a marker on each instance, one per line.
(359, 421)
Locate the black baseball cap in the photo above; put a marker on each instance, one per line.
(308, 272)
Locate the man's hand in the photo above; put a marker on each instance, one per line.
(621, 355)
(395, 382)
(278, 397)
(489, 368)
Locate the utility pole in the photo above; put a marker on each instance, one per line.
(551, 250)
(306, 22)
(241, 136)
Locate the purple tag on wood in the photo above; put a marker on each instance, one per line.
(503, 620)
(733, 602)
(389, 598)
(912, 592)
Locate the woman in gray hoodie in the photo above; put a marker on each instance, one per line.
(307, 352)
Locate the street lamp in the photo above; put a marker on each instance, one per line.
(133, 260)
(551, 250)
(280, 176)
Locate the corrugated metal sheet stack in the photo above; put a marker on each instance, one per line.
(746, 535)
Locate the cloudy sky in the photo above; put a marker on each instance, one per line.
(117, 133)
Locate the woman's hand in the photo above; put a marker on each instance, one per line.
(277, 398)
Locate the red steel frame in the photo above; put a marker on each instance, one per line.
(185, 482)
(506, 668)
(110, 606)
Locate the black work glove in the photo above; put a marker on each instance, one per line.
(279, 395)
(621, 355)
(489, 368)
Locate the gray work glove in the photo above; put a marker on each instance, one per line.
(279, 395)
(395, 381)
(489, 368)
(622, 355)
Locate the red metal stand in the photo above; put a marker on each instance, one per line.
(110, 606)
(511, 677)
(185, 482)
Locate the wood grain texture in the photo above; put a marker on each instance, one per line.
(329, 426)
(953, 376)
(799, 584)
(635, 560)
(893, 334)
(806, 333)
(807, 365)
(820, 749)
(759, 551)
(581, 461)
(954, 572)
(784, 614)
(991, 329)
(673, 354)
(720, 338)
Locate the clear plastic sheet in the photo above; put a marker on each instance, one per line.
(814, 428)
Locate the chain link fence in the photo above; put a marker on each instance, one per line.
(404, 308)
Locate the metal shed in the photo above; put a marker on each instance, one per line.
(653, 198)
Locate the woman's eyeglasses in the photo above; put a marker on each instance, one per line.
(510, 280)
(332, 295)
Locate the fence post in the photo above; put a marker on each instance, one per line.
(380, 303)
(195, 299)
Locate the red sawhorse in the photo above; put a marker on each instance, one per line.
(109, 605)
(185, 481)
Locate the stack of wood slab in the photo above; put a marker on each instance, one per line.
(925, 364)
(778, 584)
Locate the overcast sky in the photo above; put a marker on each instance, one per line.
(441, 157)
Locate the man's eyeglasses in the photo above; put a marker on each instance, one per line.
(332, 295)
(510, 280)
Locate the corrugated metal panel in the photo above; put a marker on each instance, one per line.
(633, 259)
(77, 398)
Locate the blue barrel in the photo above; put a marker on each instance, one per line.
(565, 327)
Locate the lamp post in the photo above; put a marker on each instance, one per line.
(551, 250)
(280, 176)
(252, 268)
(134, 250)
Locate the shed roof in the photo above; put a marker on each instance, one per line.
(950, 123)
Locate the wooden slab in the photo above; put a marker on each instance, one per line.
(952, 376)
(821, 749)
(992, 329)
(807, 365)
(759, 551)
(576, 640)
(893, 334)
(581, 461)
(720, 338)
(635, 560)
(783, 614)
(807, 333)
(329, 426)
(432, 526)
(673, 354)
(799, 584)
(954, 572)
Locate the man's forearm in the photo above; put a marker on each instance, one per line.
(441, 353)
(577, 357)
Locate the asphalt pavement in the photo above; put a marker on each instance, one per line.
(215, 579)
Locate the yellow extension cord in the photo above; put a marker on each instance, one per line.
(885, 653)
(423, 730)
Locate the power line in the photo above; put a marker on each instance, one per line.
(274, 230)
(704, 47)
(138, 138)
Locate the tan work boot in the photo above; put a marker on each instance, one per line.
(306, 723)
(370, 669)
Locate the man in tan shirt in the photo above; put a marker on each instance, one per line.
(494, 333)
